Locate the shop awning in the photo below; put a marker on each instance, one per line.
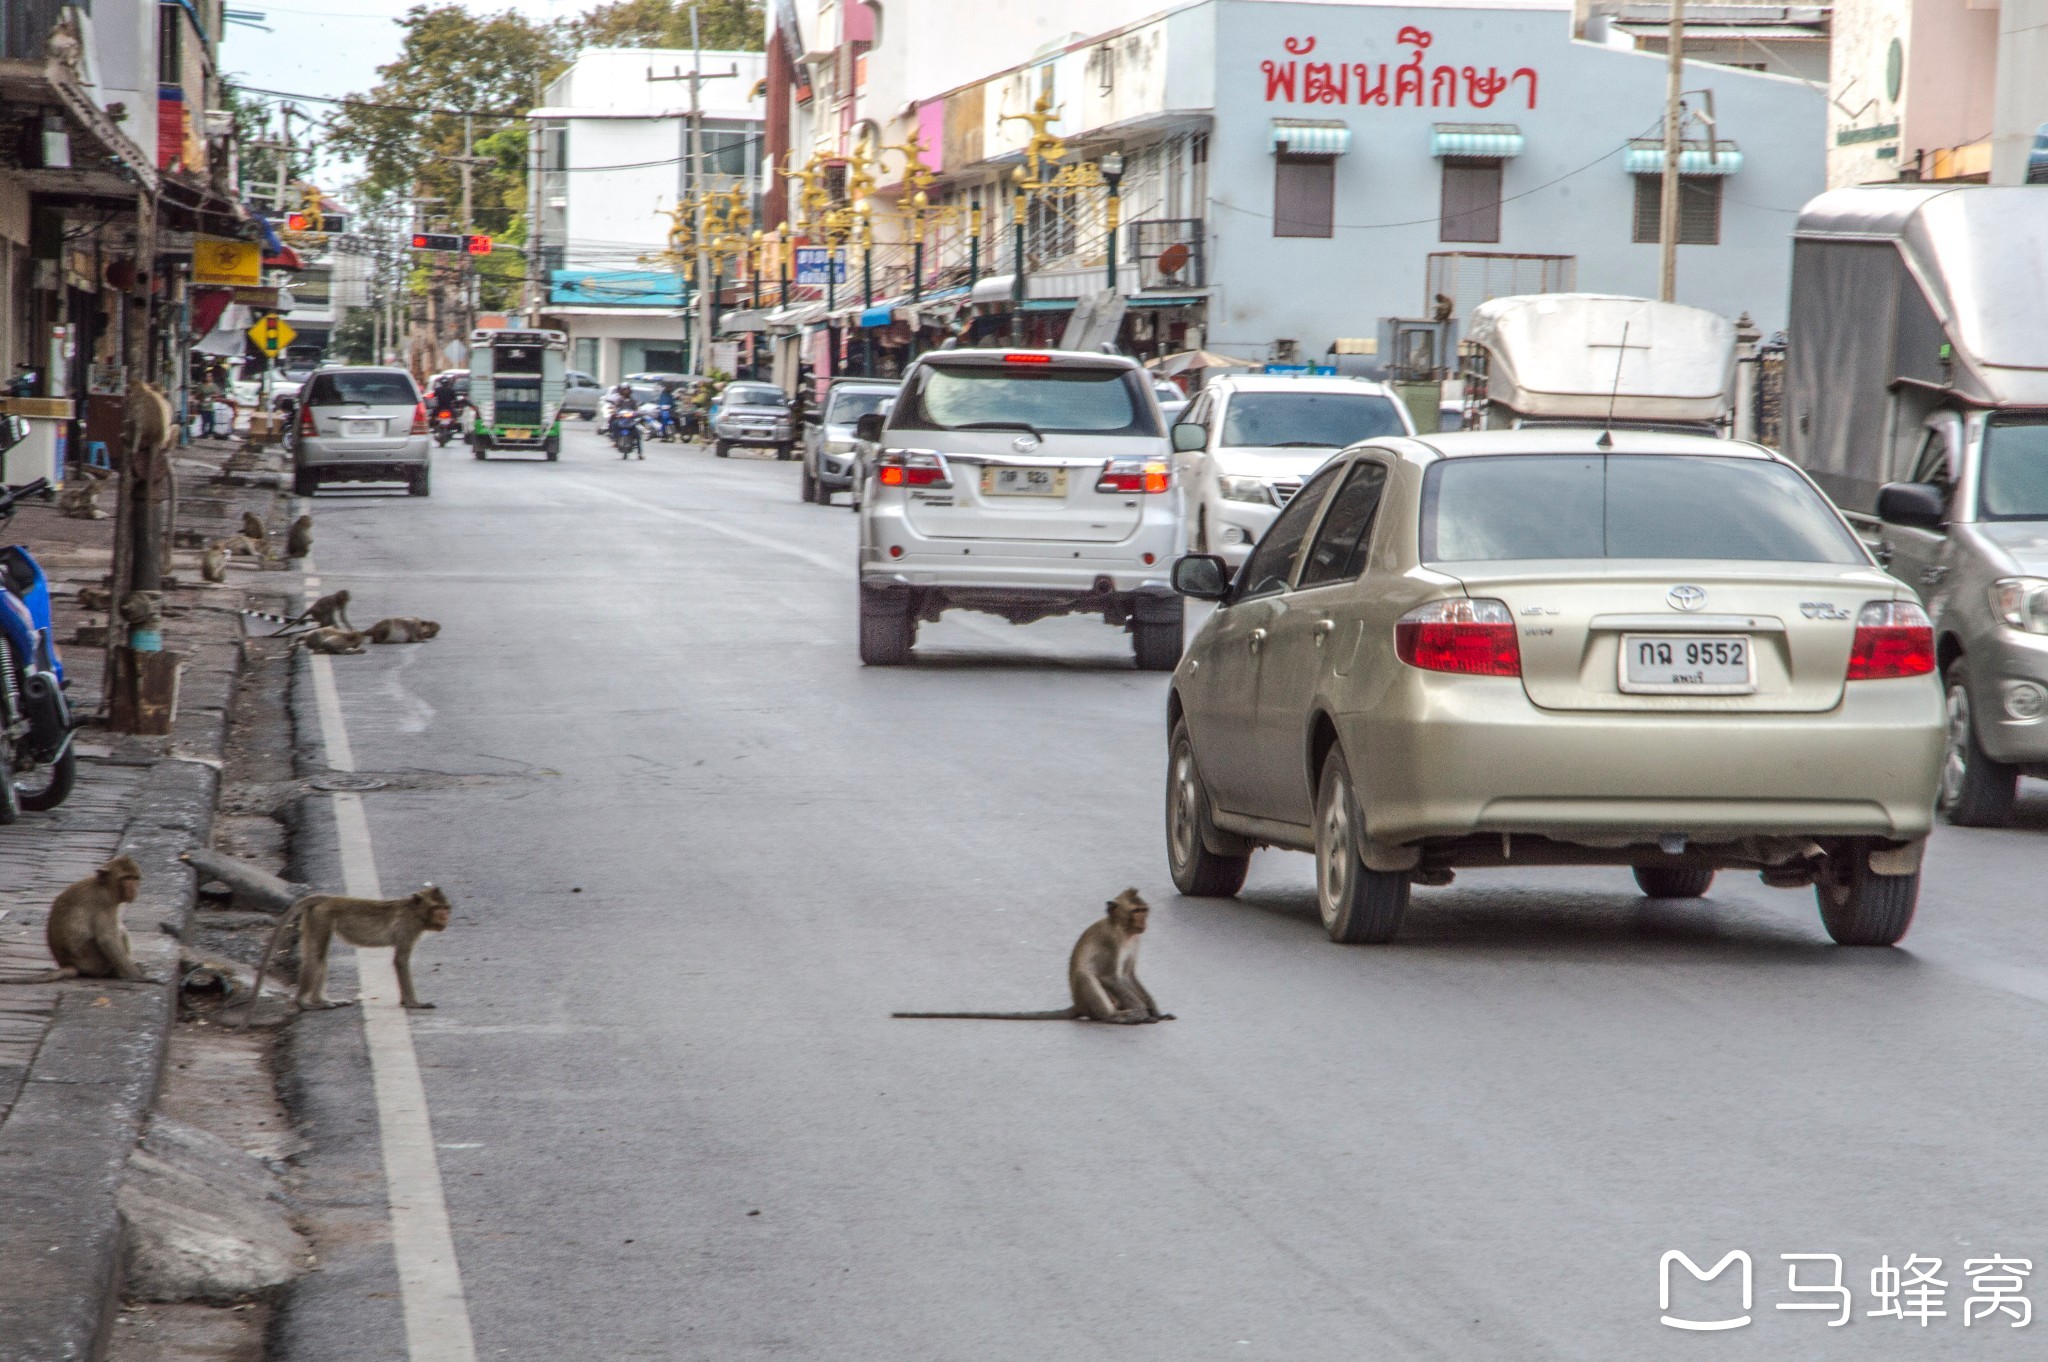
(741, 320)
(1311, 137)
(1645, 156)
(1167, 300)
(993, 288)
(794, 316)
(881, 314)
(1490, 141)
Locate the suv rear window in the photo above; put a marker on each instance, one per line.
(850, 404)
(375, 389)
(1049, 399)
(1627, 506)
(755, 396)
(1309, 419)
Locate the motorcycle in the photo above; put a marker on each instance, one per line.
(445, 424)
(624, 428)
(38, 763)
(666, 428)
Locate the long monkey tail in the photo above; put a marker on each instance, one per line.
(284, 922)
(1063, 1014)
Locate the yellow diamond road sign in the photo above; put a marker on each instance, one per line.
(272, 334)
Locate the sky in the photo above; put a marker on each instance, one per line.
(334, 47)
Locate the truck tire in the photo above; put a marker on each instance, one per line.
(1196, 870)
(723, 450)
(1976, 792)
(552, 446)
(1673, 881)
(1360, 905)
(304, 484)
(1158, 644)
(1861, 908)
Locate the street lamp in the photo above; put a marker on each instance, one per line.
(1112, 168)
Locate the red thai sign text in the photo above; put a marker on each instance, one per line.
(1414, 82)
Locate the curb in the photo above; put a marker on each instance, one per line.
(64, 1148)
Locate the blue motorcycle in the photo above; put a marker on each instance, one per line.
(38, 763)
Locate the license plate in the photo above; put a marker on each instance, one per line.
(1023, 482)
(1681, 664)
(362, 427)
(518, 434)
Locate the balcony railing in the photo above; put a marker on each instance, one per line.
(1168, 253)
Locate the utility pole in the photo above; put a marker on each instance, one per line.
(469, 261)
(697, 317)
(1667, 208)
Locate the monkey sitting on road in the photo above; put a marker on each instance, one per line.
(334, 642)
(85, 934)
(403, 629)
(1102, 973)
(360, 922)
(298, 541)
(81, 501)
(213, 563)
(252, 527)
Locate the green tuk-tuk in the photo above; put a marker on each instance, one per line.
(516, 382)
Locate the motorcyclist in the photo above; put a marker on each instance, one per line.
(665, 402)
(448, 397)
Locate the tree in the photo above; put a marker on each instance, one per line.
(724, 25)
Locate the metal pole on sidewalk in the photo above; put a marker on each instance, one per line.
(1667, 208)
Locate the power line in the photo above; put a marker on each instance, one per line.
(350, 101)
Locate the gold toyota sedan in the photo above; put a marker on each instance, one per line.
(1558, 647)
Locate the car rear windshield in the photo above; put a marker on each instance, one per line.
(1308, 420)
(375, 389)
(1049, 399)
(756, 396)
(850, 406)
(2015, 471)
(1627, 506)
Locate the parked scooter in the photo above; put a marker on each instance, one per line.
(38, 763)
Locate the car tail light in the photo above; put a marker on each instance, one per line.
(1893, 638)
(1135, 475)
(440, 416)
(1473, 638)
(910, 468)
(1027, 359)
(306, 425)
(419, 418)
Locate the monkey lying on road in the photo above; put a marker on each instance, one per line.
(1102, 972)
(85, 934)
(360, 922)
(335, 642)
(403, 629)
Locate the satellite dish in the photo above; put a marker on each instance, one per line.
(1173, 259)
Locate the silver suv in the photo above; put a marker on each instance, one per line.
(360, 425)
(1023, 484)
(830, 455)
(755, 414)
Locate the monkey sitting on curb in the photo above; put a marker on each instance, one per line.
(238, 546)
(298, 540)
(334, 642)
(81, 501)
(403, 629)
(85, 934)
(252, 527)
(213, 563)
(360, 922)
(1102, 973)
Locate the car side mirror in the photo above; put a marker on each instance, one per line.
(869, 428)
(1918, 505)
(1188, 438)
(1202, 576)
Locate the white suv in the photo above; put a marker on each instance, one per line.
(1246, 445)
(1024, 484)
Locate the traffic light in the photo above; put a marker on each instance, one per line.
(436, 241)
(477, 245)
(295, 222)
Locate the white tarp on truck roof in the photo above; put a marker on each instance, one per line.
(1561, 356)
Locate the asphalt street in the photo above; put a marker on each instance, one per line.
(699, 854)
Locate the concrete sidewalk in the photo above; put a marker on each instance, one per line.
(80, 1060)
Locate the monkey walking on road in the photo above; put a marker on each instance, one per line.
(1102, 973)
(85, 934)
(330, 611)
(398, 923)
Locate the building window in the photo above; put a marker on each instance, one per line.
(1699, 209)
(170, 45)
(1304, 195)
(1471, 206)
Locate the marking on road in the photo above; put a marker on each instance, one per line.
(429, 1278)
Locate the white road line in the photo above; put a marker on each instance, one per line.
(429, 1278)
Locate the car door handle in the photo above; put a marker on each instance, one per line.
(1321, 630)
(1257, 637)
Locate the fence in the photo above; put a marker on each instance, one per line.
(1469, 278)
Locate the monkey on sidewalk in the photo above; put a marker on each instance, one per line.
(360, 922)
(84, 932)
(1102, 974)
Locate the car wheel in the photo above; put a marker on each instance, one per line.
(52, 785)
(1976, 792)
(419, 483)
(724, 450)
(886, 639)
(1158, 644)
(1196, 870)
(1360, 905)
(1861, 908)
(784, 453)
(476, 447)
(304, 484)
(1673, 881)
